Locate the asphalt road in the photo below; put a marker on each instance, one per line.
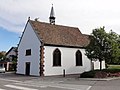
(10, 81)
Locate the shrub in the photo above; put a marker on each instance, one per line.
(100, 74)
(89, 74)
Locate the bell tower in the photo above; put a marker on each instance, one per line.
(52, 16)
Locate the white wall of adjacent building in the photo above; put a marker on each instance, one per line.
(29, 41)
(96, 64)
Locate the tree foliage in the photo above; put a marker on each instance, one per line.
(2, 55)
(104, 46)
(113, 56)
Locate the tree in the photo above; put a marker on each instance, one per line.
(96, 49)
(2, 55)
(113, 56)
(104, 46)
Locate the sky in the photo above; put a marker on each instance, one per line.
(84, 14)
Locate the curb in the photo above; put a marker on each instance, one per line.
(99, 79)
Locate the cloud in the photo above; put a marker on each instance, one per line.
(14, 13)
(85, 14)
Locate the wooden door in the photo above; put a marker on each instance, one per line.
(27, 68)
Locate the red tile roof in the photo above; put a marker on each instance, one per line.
(59, 35)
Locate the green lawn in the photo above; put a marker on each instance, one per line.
(113, 66)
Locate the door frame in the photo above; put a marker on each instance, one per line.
(27, 68)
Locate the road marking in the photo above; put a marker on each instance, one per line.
(89, 88)
(2, 89)
(70, 87)
(43, 86)
(33, 85)
(64, 87)
(53, 85)
(10, 80)
(19, 87)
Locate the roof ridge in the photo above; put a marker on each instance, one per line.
(55, 24)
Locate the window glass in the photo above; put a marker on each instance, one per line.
(57, 58)
(28, 52)
(78, 58)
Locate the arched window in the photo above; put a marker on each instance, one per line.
(78, 58)
(57, 57)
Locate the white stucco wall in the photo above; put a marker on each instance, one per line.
(97, 64)
(68, 61)
(29, 41)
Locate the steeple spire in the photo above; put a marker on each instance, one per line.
(52, 16)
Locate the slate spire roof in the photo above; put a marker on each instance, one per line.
(59, 35)
(52, 13)
(52, 16)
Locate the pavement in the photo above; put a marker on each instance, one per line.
(11, 81)
(67, 77)
(77, 77)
